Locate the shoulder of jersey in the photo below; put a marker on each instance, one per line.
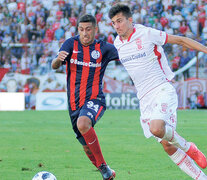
(74, 37)
(69, 42)
(99, 41)
(103, 43)
(137, 26)
(71, 39)
(140, 30)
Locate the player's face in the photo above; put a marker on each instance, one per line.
(122, 25)
(87, 33)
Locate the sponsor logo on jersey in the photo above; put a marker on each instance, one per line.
(74, 51)
(132, 57)
(89, 64)
(95, 54)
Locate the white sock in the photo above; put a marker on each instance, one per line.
(174, 138)
(187, 165)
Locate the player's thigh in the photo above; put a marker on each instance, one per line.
(164, 106)
(158, 104)
(93, 109)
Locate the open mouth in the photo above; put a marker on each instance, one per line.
(85, 39)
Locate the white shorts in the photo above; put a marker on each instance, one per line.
(159, 103)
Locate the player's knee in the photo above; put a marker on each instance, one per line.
(156, 131)
(157, 128)
(83, 124)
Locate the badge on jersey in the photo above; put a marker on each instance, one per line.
(95, 54)
(139, 44)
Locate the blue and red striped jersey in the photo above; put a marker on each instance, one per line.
(85, 70)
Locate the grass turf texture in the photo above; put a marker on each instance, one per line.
(33, 141)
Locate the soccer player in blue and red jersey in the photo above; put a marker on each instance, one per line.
(86, 60)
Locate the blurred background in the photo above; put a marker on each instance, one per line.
(32, 31)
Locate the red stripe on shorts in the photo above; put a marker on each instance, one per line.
(99, 111)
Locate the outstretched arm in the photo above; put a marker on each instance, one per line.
(57, 62)
(186, 42)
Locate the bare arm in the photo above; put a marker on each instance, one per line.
(57, 62)
(186, 42)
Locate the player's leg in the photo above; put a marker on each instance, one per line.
(90, 154)
(85, 127)
(164, 116)
(90, 113)
(95, 154)
(183, 161)
(164, 131)
(189, 148)
(163, 123)
(74, 116)
(105, 170)
(160, 129)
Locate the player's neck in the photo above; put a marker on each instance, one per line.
(86, 43)
(128, 33)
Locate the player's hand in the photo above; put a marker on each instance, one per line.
(62, 55)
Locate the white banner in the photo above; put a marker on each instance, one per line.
(12, 101)
(51, 101)
(121, 101)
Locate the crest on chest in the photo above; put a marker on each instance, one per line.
(139, 44)
(95, 54)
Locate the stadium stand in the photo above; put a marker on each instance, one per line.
(31, 32)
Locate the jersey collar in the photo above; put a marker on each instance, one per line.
(134, 30)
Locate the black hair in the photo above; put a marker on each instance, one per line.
(87, 18)
(120, 8)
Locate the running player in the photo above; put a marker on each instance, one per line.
(86, 60)
(140, 52)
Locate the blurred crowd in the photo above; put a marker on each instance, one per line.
(198, 100)
(32, 31)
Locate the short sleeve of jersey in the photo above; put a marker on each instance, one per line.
(68, 47)
(112, 53)
(157, 37)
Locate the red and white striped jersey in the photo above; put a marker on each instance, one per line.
(143, 57)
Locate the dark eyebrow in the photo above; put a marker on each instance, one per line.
(119, 19)
(85, 27)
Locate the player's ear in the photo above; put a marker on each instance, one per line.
(96, 29)
(130, 19)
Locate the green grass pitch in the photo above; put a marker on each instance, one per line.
(33, 141)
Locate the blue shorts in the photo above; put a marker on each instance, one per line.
(93, 109)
